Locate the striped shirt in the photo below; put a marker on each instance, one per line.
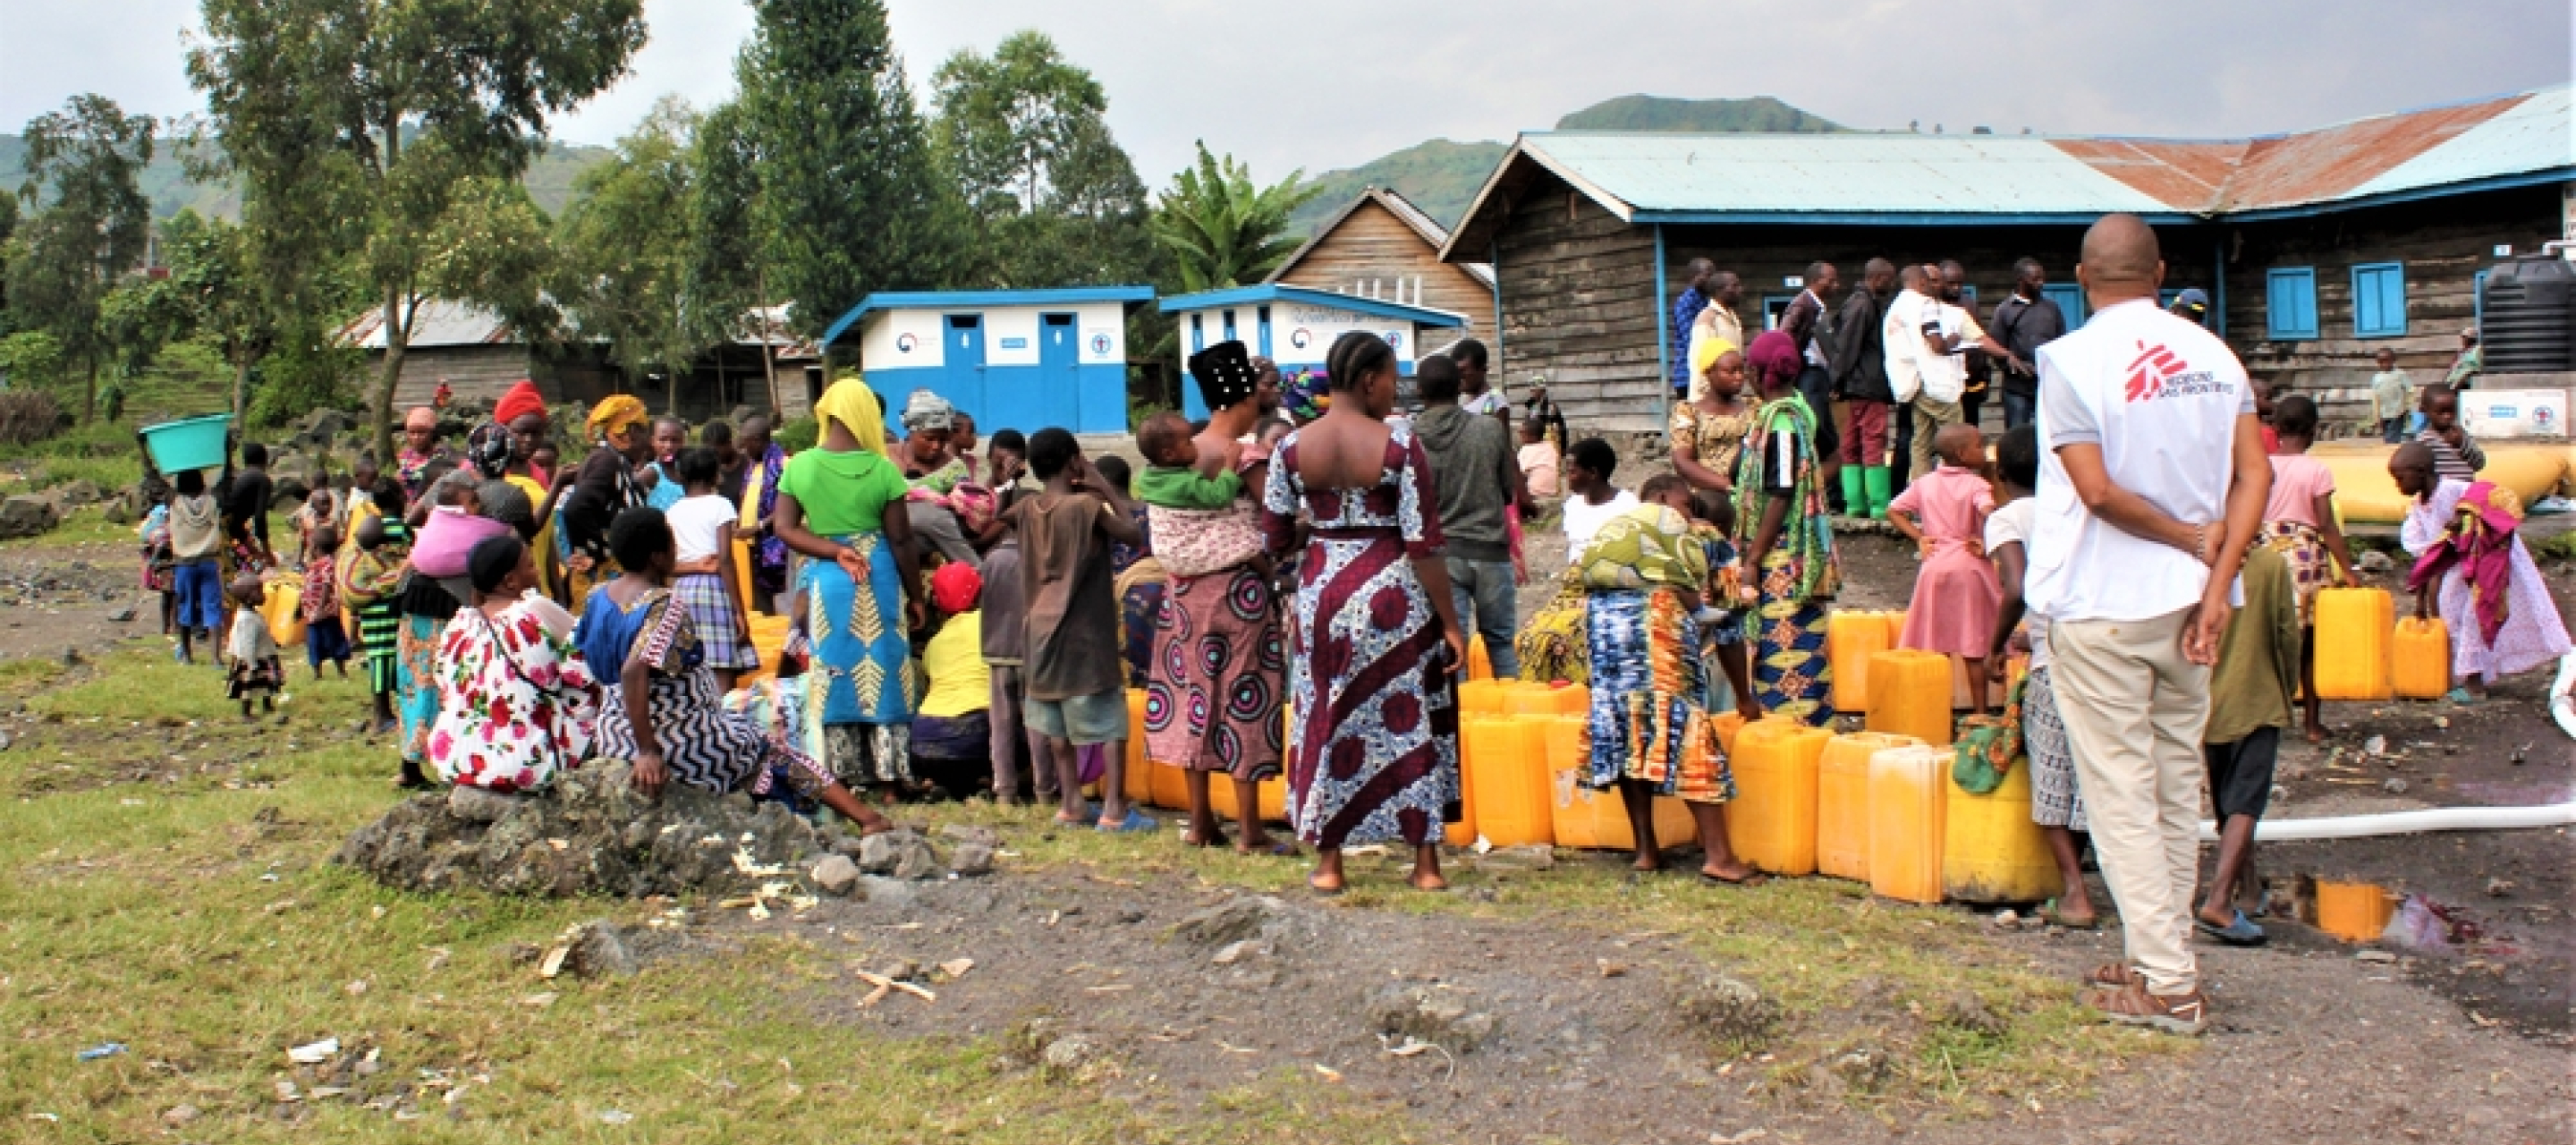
(2461, 464)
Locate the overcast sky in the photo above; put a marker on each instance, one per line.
(1320, 84)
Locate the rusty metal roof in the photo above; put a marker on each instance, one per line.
(1687, 178)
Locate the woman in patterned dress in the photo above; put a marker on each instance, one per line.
(1787, 539)
(1648, 732)
(1219, 655)
(1708, 433)
(1373, 752)
(663, 710)
(841, 503)
(514, 700)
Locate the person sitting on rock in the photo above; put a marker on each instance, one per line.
(662, 708)
(514, 703)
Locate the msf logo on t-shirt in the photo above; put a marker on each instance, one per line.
(2158, 373)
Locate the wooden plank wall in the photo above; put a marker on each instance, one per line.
(2442, 242)
(1372, 245)
(479, 372)
(1579, 306)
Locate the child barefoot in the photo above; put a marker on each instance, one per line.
(1944, 512)
(2299, 523)
(2055, 804)
(253, 667)
(369, 579)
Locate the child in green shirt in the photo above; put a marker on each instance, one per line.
(1172, 479)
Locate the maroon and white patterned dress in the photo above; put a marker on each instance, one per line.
(1373, 749)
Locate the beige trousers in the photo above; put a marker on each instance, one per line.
(2134, 709)
(1930, 418)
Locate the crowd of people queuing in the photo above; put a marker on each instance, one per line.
(974, 622)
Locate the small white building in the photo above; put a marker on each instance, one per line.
(1026, 359)
(1295, 326)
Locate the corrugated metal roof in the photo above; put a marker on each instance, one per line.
(1652, 177)
(1648, 174)
(1281, 292)
(979, 299)
(2536, 134)
(438, 322)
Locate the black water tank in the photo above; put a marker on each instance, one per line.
(2530, 321)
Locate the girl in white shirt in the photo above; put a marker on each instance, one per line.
(705, 581)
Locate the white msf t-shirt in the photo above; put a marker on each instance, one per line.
(2161, 397)
(694, 524)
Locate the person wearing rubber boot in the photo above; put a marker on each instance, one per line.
(1859, 367)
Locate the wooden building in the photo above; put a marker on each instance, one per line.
(2319, 248)
(478, 356)
(1383, 247)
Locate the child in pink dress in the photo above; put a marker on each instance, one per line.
(1956, 595)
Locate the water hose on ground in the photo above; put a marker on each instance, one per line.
(2408, 823)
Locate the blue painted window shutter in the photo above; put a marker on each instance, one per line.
(2379, 299)
(2069, 298)
(2290, 306)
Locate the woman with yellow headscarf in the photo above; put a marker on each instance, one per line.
(841, 504)
(604, 486)
(1708, 431)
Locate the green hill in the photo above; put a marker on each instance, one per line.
(165, 180)
(1655, 113)
(1442, 177)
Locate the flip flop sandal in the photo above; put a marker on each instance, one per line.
(1755, 879)
(2238, 932)
(1321, 891)
(1090, 813)
(2461, 697)
(2051, 915)
(1136, 822)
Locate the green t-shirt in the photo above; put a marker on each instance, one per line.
(842, 493)
(1181, 487)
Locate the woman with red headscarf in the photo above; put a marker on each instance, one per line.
(1786, 534)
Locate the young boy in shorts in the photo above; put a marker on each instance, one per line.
(1075, 669)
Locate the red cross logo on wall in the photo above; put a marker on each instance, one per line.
(2149, 370)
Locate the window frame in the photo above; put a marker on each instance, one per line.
(2273, 327)
(2383, 329)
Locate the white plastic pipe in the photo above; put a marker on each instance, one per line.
(2408, 823)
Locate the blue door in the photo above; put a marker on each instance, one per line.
(1059, 397)
(2069, 298)
(964, 387)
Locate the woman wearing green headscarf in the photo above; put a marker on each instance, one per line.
(841, 504)
(1786, 535)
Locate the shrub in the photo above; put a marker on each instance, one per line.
(799, 435)
(27, 417)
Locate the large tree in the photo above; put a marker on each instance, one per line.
(628, 246)
(851, 199)
(728, 253)
(1223, 230)
(388, 128)
(1057, 200)
(92, 226)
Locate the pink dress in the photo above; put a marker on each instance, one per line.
(1956, 595)
(2534, 634)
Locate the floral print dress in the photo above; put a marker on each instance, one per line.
(515, 701)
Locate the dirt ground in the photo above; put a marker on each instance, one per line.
(2464, 1038)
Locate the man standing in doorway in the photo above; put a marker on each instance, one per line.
(2023, 323)
(2152, 484)
(1685, 313)
(1477, 471)
(1809, 325)
(1860, 380)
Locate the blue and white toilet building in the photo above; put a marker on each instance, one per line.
(1025, 358)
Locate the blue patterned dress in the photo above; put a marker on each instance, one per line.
(1373, 751)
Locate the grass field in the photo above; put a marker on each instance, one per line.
(164, 884)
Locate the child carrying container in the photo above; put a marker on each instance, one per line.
(2461, 534)
(2299, 523)
(1955, 596)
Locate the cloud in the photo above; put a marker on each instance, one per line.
(1332, 83)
